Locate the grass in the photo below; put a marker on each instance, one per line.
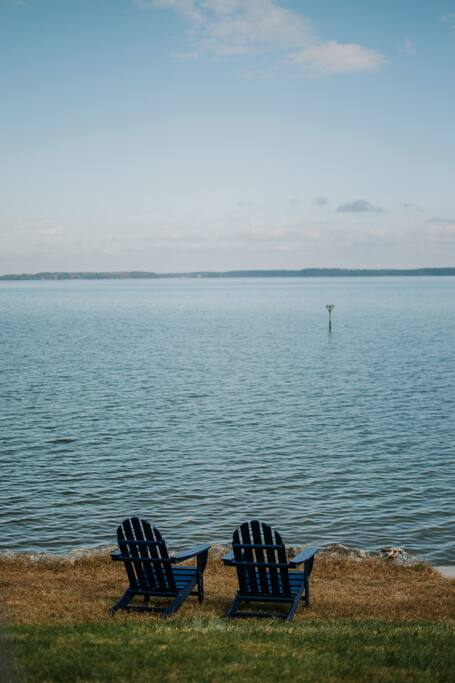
(369, 621)
(212, 650)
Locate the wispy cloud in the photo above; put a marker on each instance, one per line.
(359, 206)
(372, 237)
(337, 58)
(250, 27)
(407, 47)
(411, 207)
(321, 201)
(278, 236)
(449, 18)
(441, 230)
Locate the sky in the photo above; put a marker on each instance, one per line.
(186, 135)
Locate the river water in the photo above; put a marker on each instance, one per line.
(200, 404)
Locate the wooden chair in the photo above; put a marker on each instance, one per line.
(150, 569)
(264, 572)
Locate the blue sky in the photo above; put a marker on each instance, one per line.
(221, 134)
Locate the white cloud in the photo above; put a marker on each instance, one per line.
(248, 27)
(338, 58)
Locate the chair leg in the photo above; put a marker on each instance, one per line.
(200, 588)
(307, 591)
(233, 608)
(293, 609)
(295, 604)
(201, 564)
(122, 603)
(176, 603)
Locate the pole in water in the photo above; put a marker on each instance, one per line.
(330, 308)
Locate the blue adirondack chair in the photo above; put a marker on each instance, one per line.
(151, 571)
(264, 573)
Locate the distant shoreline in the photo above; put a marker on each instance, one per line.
(304, 272)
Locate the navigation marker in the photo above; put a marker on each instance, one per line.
(330, 308)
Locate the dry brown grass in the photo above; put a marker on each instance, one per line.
(63, 593)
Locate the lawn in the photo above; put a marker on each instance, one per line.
(213, 650)
(369, 621)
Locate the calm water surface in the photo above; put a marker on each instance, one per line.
(200, 404)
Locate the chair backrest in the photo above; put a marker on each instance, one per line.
(260, 560)
(139, 541)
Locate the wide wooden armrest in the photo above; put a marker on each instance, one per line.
(228, 559)
(187, 554)
(304, 556)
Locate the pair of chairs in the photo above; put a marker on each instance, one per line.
(264, 573)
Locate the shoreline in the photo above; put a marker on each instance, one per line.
(345, 584)
(389, 554)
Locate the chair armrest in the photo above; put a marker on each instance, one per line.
(228, 559)
(116, 556)
(304, 556)
(187, 554)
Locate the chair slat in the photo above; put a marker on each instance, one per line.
(248, 556)
(129, 566)
(260, 557)
(149, 533)
(264, 546)
(163, 572)
(137, 543)
(272, 558)
(148, 570)
(282, 559)
(134, 552)
(238, 557)
(168, 576)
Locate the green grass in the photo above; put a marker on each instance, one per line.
(214, 650)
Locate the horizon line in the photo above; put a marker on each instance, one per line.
(253, 272)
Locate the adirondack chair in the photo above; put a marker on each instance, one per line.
(151, 571)
(264, 572)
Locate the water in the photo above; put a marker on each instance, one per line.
(200, 404)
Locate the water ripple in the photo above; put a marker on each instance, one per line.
(200, 404)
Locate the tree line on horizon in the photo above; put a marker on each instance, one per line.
(304, 272)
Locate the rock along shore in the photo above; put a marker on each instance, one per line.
(393, 555)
